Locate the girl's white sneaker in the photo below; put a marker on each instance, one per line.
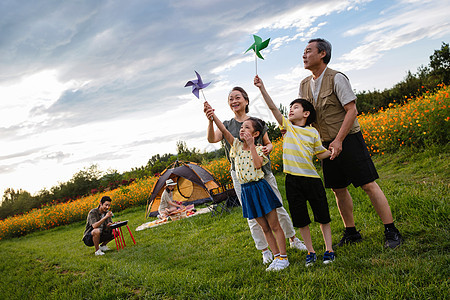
(273, 265)
(278, 264)
(282, 263)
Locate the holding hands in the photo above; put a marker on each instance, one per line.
(335, 148)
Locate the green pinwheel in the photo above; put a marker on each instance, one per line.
(258, 45)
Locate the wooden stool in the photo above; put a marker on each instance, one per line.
(118, 234)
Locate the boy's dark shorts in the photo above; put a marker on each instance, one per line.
(104, 236)
(300, 189)
(353, 165)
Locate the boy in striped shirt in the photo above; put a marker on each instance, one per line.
(300, 143)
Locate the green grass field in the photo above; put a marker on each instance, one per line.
(206, 257)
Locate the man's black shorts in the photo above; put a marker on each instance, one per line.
(353, 165)
(104, 237)
(300, 189)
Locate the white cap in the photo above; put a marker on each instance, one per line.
(170, 182)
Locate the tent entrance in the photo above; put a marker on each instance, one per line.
(194, 184)
(185, 187)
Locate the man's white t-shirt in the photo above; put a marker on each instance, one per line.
(342, 88)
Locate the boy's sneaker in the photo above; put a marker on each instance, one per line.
(393, 238)
(104, 248)
(328, 257)
(267, 256)
(311, 258)
(349, 238)
(99, 252)
(297, 244)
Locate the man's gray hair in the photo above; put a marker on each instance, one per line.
(323, 45)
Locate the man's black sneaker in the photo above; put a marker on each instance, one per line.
(349, 238)
(393, 238)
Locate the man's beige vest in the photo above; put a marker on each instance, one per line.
(329, 110)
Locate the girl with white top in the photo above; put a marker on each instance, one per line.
(167, 204)
(258, 199)
(238, 102)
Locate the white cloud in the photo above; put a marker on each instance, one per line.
(32, 93)
(396, 28)
(304, 17)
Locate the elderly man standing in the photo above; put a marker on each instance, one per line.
(332, 96)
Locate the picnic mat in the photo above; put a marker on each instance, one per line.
(158, 222)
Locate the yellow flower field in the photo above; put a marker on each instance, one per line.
(421, 122)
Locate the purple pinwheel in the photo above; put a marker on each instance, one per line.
(197, 85)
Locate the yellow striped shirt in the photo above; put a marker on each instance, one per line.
(300, 144)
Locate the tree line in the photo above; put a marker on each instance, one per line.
(91, 180)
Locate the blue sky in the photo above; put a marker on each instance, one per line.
(102, 82)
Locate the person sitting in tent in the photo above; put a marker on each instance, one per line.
(167, 205)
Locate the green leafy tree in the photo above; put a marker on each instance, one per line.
(440, 64)
(9, 197)
(186, 154)
(80, 185)
(157, 163)
(110, 180)
(134, 173)
(16, 202)
(213, 155)
(414, 84)
(273, 131)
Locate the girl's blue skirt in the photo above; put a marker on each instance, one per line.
(258, 199)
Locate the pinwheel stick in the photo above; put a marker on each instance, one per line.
(204, 98)
(256, 62)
